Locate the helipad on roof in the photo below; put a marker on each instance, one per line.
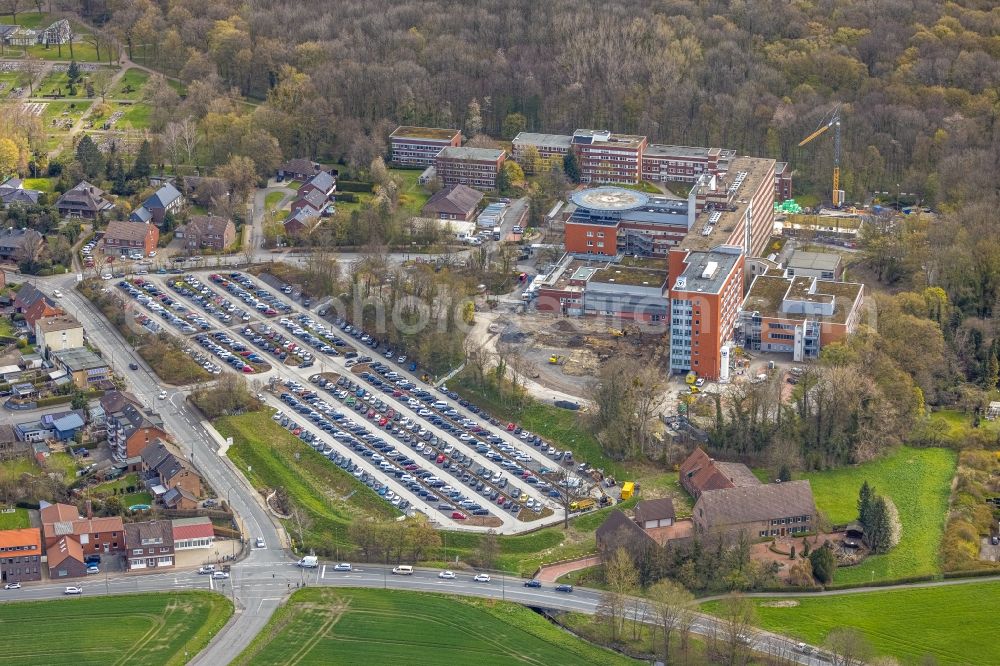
(609, 199)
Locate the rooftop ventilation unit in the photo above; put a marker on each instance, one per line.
(710, 270)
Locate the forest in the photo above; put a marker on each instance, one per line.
(918, 78)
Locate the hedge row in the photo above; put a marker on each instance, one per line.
(352, 186)
(883, 583)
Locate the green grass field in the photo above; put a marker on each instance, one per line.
(149, 629)
(130, 86)
(272, 198)
(918, 481)
(136, 116)
(17, 520)
(312, 481)
(325, 626)
(953, 623)
(40, 184)
(411, 194)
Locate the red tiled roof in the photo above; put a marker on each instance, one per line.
(57, 513)
(31, 536)
(191, 530)
(62, 550)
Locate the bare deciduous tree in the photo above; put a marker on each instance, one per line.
(848, 647)
(672, 609)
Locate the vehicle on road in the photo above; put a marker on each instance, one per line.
(260, 543)
(220, 574)
(803, 648)
(12, 586)
(56, 293)
(481, 578)
(564, 588)
(93, 570)
(403, 570)
(133, 366)
(343, 566)
(447, 574)
(533, 583)
(162, 395)
(309, 562)
(73, 589)
(207, 569)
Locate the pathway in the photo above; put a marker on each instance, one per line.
(553, 572)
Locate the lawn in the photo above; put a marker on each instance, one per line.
(959, 424)
(135, 629)
(272, 198)
(72, 110)
(953, 623)
(278, 459)
(40, 184)
(918, 481)
(136, 116)
(82, 52)
(6, 327)
(130, 85)
(137, 498)
(412, 196)
(325, 626)
(15, 521)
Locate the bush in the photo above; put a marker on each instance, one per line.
(824, 564)
(347, 197)
(352, 186)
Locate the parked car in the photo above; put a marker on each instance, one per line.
(93, 570)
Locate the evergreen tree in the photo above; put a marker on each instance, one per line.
(120, 184)
(571, 167)
(992, 371)
(879, 536)
(141, 169)
(785, 473)
(110, 161)
(90, 158)
(73, 73)
(865, 496)
(824, 564)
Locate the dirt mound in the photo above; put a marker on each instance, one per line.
(564, 326)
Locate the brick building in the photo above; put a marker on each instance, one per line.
(475, 167)
(551, 150)
(130, 238)
(418, 146)
(604, 157)
(210, 232)
(20, 555)
(150, 545)
(131, 426)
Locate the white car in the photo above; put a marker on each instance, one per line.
(56, 293)
(73, 589)
(93, 570)
(260, 543)
(106, 276)
(220, 574)
(482, 578)
(447, 574)
(12, 586)
(343, 566)
(207, 569)
(162, 395)
(153, 253)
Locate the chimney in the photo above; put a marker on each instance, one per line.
(90, 510)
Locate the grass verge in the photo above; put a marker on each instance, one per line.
(390, 626)
(952, 622)
(18, 520)
(141, 629)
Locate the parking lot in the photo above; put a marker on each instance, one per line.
(421, 448)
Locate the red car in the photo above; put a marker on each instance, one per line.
(458, 515)
(382, 421)
(247, 370)
(297, 431)
(397, 393)
(510, 427)
(440, 459)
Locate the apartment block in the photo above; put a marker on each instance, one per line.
(476, 167)
(685, 164)
(551, 150)
(418, 146)
(604, 157)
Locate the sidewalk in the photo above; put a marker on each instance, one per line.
(553, 572)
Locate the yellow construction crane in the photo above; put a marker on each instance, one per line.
(832, 119)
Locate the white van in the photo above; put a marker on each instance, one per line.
(440, 404)
(309, 562)
(403, 570)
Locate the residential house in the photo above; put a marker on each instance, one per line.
(324, 182)
(104, 536)
(618, 529)
(313, 198)
(20, 555)
(190, 533)
(699, 473)
(764, 510)
(66, 427)
(131, 427)
(26, 297)
(12, 192)
(650, 514)
(178, 498)
(301, 220)
(84, 200)
(40, 309)
(208, 232)
(66, 558)
(150, 545)
(130, 238)
(455, 202)
(165, 200)
(162, 466)
(19, 245)
(141, 215)
(45, 427)
(299, 168)
(82, 365)
(57, 333)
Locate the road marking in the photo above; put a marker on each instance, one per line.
(323, 572)
(211, 583)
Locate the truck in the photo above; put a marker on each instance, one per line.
(582, 504)
(691, 378)
(309, 562)
(496, 233)
(628, 489)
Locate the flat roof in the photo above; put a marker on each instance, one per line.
(666, 150)
(637, 277)
(694, 276)
(814, 260)
(63, 322)
(757, 170)
(80, 358)
(609, 199)
(438, 133)
(767, 294)
(475, 154)
(547, 140)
